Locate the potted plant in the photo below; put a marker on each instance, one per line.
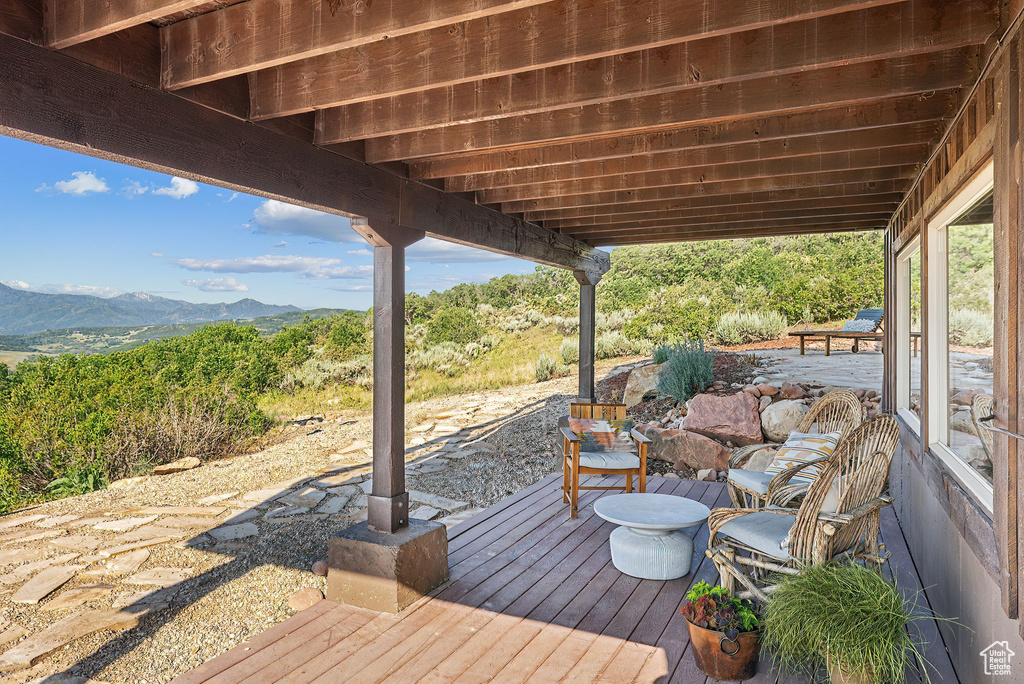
(846, 618)
(723, 632)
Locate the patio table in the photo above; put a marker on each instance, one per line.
(651, 543)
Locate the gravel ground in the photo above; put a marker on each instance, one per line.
(472, 449)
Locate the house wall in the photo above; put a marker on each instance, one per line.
(957, 583)
(967, 553)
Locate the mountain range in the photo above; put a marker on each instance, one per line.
(24, 312)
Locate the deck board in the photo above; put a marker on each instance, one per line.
(533, 597)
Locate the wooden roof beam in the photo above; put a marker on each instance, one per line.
(871, 116)
(668, 229)
(264, 33)
(70, 22)
(553, 33)
(51, 98)
(834, 86)
(904, 29)
(728, 187)
(873, 204)
(703, 157)
(588, 233)
(737, 234)
(704, 175)
(852, 191)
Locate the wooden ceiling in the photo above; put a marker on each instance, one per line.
(613, 121)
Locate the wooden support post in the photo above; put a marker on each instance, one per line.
(588, 313)
(388, 503)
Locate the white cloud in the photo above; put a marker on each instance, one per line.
(439, 252)
(281, 245)
(134, 189)
(360, 252)
(65, 288)
(342, 272)
(279, 218)
(352, 288)
(226, 284)
(16, 284)
(81, 183)
(156, 254)
(318, 268)
(268, 263)
(180, 188)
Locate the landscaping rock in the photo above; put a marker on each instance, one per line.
(685, 449)
(763, 403)
(767, 390)
(707, 475)
(781, 418)
(728, 419)
(760, 460)
(965, 397)
(182, 464)
(642, 381)
(791, 391)
(752, 389)
(305, 598)
(320, 568)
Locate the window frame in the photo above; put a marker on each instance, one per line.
(902, 337)
(935, 286)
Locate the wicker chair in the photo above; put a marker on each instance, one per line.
(862, 462)
(576, 463)
(837, 411)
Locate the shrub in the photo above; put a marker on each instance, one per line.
(688, 371)
(545, 368)
(455, 325)
(744, 328)
(613, 344)
(661, 353)
(319, 372)
(346, 339)
(970, 328)
(570, 351)
(567, 326)
(447, 358)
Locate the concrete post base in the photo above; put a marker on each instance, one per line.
(386, 572)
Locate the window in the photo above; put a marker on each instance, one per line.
(908, 332)
(960, 332)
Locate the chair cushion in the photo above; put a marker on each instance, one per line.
(763, 532)
(602, 435)
(860, 325)
(609, 460)
(801, 448)
(752, 480)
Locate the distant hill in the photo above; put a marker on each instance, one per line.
(23, 312)
(103, 340)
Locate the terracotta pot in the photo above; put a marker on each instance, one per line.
(723, 658)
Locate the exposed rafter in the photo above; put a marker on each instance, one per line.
(903, 29)
(70, 22)
(845, 85)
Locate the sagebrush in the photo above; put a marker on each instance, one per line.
(687, 372)
(740, 327)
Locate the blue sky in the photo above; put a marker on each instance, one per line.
(76, 224)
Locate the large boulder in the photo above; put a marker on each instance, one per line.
(642, 381)
(781, 418)
(685, 449)
(732, 418)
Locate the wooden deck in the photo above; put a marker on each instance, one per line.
(533, 597)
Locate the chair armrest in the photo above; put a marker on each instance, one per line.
(857, 513)
(570, 435)
(638, 437)
(741, 455)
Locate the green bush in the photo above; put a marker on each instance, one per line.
(970, 328)
(448, 359)
(570, 351)
(661, 353)
(545, 368)
(347, 338)
(744, 328)
(688, 371)
(455, 325)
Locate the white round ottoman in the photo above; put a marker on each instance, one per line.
(651, 544)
